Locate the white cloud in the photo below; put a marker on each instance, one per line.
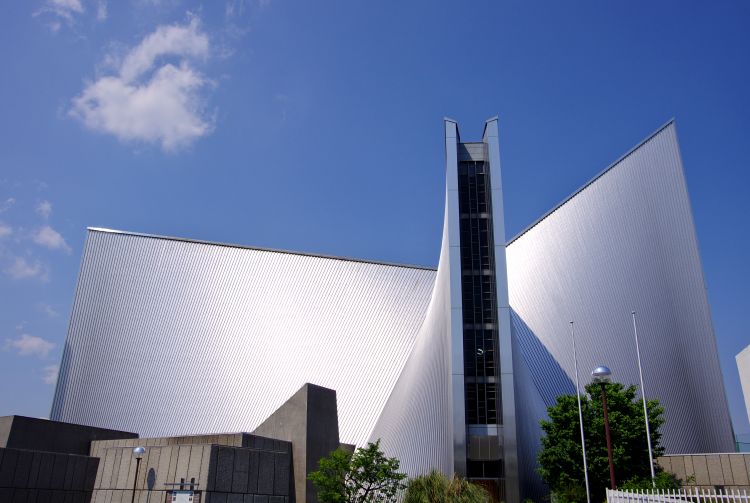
(30, 345)
(67, 5)
(40, 184)
(50, 238)
(60, 10)
(158, 3)
(7, 204)
(173, 40)
(22, 269)
(5, 230)
(44, 209)
(50, 373)
(101, 11)
(48, 310)
(149, 99)
(234, 8)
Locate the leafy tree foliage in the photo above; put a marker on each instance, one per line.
(437, 488)
(365, 476)
(664, 481)
(560, 460)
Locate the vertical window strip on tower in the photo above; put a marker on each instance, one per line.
(479, 300)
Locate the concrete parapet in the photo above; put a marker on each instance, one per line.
(709, 471)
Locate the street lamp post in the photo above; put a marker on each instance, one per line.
(580, 413)
(601, 376)
(137, 454)
(645, 409)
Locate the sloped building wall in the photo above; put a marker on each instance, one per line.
(624, 242)
(172, 337)
(416, 425)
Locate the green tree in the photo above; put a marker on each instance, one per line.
(437, 488)
(664, 480)
(561, 465)
(364, 476)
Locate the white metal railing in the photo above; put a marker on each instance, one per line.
(691, 495)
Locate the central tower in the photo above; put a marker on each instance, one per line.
(484, 427)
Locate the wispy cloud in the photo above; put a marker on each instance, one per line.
(50, 373)
(7, 204)
(48, 310)
(158, 3)
(65, 8)
(44, 209)
(5, 230)
(20, 268)
(101, 11)
(60, 11)
(238, 7)
(67, 5)
(50, 238)
(234, 8)
(30, 345)
(150, 99)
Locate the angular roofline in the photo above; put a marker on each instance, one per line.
(496, 118)
(670, 122)
(256, 248)
(491, 119)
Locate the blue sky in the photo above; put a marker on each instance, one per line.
(316, 126)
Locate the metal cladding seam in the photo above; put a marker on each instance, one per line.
(625, 242)
(530, 408)
(172, 337)
(416, 423)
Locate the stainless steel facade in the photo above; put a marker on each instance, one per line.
(624, 242)
(417, 422)
(431, 400)
(171, 336)
(743, 367)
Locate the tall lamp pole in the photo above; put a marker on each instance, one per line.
(137, 454)
(601, 376)
(580, 413)
(645, 409)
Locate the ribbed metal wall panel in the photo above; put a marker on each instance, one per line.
(416, 425)
(173, 337)
(743, 367)
(530, 407)
(625, 242)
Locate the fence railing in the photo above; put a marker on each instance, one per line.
(678, 496)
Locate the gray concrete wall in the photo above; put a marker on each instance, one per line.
(250, 466)
(250, 475)
(5, 424)
(231, 439)
(20, 432)
(308, 420)
(160, 465)
(247, 468)
(44, 477)
(706, 471)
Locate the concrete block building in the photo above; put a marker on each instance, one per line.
(52, 462)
